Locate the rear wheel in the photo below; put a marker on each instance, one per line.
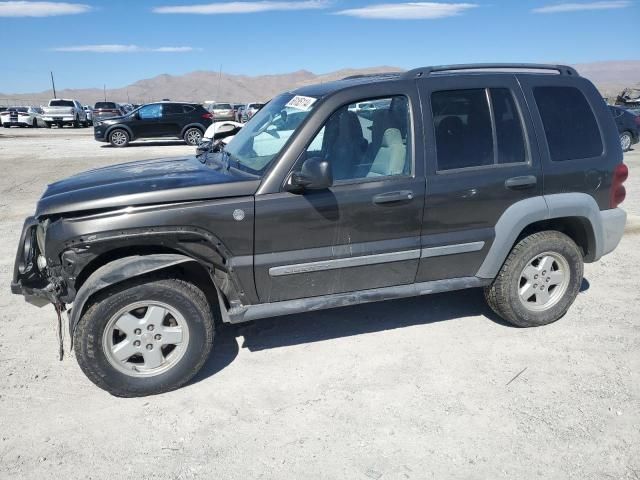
(47, 124)
(625, 141)
(144, 337)
(76, 123)
(539, 280)
(193, 136)
(119, 138)
(34, 124)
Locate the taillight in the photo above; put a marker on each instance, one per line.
(618, 192)
(208, 116)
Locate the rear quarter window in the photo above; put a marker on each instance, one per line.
(569, 123)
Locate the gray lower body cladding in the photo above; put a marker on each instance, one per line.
(274, 309)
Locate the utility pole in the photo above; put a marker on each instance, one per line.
(53, 85)
(104, 90)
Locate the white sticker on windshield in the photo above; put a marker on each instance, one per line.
(301, 102)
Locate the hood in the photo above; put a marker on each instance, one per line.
(143, 183)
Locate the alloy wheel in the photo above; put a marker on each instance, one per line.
(543, 281)
(145, 339)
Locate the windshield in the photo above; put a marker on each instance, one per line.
(61, 103)
(261, 139)
(222, 106)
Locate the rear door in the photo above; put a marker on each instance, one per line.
(480, 161)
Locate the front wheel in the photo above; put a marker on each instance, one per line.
(539, 280)
(625, 141)
(193, 136)
(145, 337)
(119, 138)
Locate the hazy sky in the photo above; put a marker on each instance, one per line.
(90, 43)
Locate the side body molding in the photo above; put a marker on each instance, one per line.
(116, 272)
(525, 212)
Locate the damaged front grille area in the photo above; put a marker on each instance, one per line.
(29, 278)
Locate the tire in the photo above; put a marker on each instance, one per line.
(192, 136)
(47, 124)
(625, 141)
(6, 125)
(119, 138)
(76, 123)
(34, 124)
(93, 344)
(544, 265)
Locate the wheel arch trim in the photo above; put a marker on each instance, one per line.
(118, 271)
(531, 210)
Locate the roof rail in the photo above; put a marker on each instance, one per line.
(426, 71)
(372, 75)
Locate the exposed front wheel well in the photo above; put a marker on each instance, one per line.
(579, 229)
(191, 271)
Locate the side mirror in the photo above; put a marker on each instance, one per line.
(315, 174)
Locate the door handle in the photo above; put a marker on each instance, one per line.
(520, 183)
(393, 197)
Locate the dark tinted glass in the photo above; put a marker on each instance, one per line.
(61, 103)
(188, 108)
(171, 109)
(509, 132)
(108, 105)
(462, 122)
(569, 124)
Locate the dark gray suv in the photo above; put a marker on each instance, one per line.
(506, 177)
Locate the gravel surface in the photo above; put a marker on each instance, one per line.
(431, 387)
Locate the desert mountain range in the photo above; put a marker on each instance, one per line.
(610, 77)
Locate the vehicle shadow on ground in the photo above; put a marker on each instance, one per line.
(161, 143)
(346, 322)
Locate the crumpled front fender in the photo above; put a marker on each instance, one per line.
(118, 271)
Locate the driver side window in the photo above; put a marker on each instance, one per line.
(366, 139)
(149, 112)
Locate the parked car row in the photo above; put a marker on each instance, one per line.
(61, 112)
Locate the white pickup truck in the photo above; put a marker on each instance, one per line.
(63, 112)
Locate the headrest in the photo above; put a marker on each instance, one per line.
(391, 137)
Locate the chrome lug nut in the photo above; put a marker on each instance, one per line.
(137, 331)
(136, 343)
(150, 328)
(149, 347)
(158, 336)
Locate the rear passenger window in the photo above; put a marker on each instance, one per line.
(466, 134)
(569, 123)
(187, 108)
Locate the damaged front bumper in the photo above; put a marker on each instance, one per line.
(29, 279)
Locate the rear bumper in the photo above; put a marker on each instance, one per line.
(613, 223)
(56, 119)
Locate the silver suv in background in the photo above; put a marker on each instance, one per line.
(222, 112)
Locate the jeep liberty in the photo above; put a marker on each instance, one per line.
(501, 176)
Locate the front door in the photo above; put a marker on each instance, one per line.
(480, 161)
(364, 231)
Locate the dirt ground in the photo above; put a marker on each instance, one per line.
(410, 389)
